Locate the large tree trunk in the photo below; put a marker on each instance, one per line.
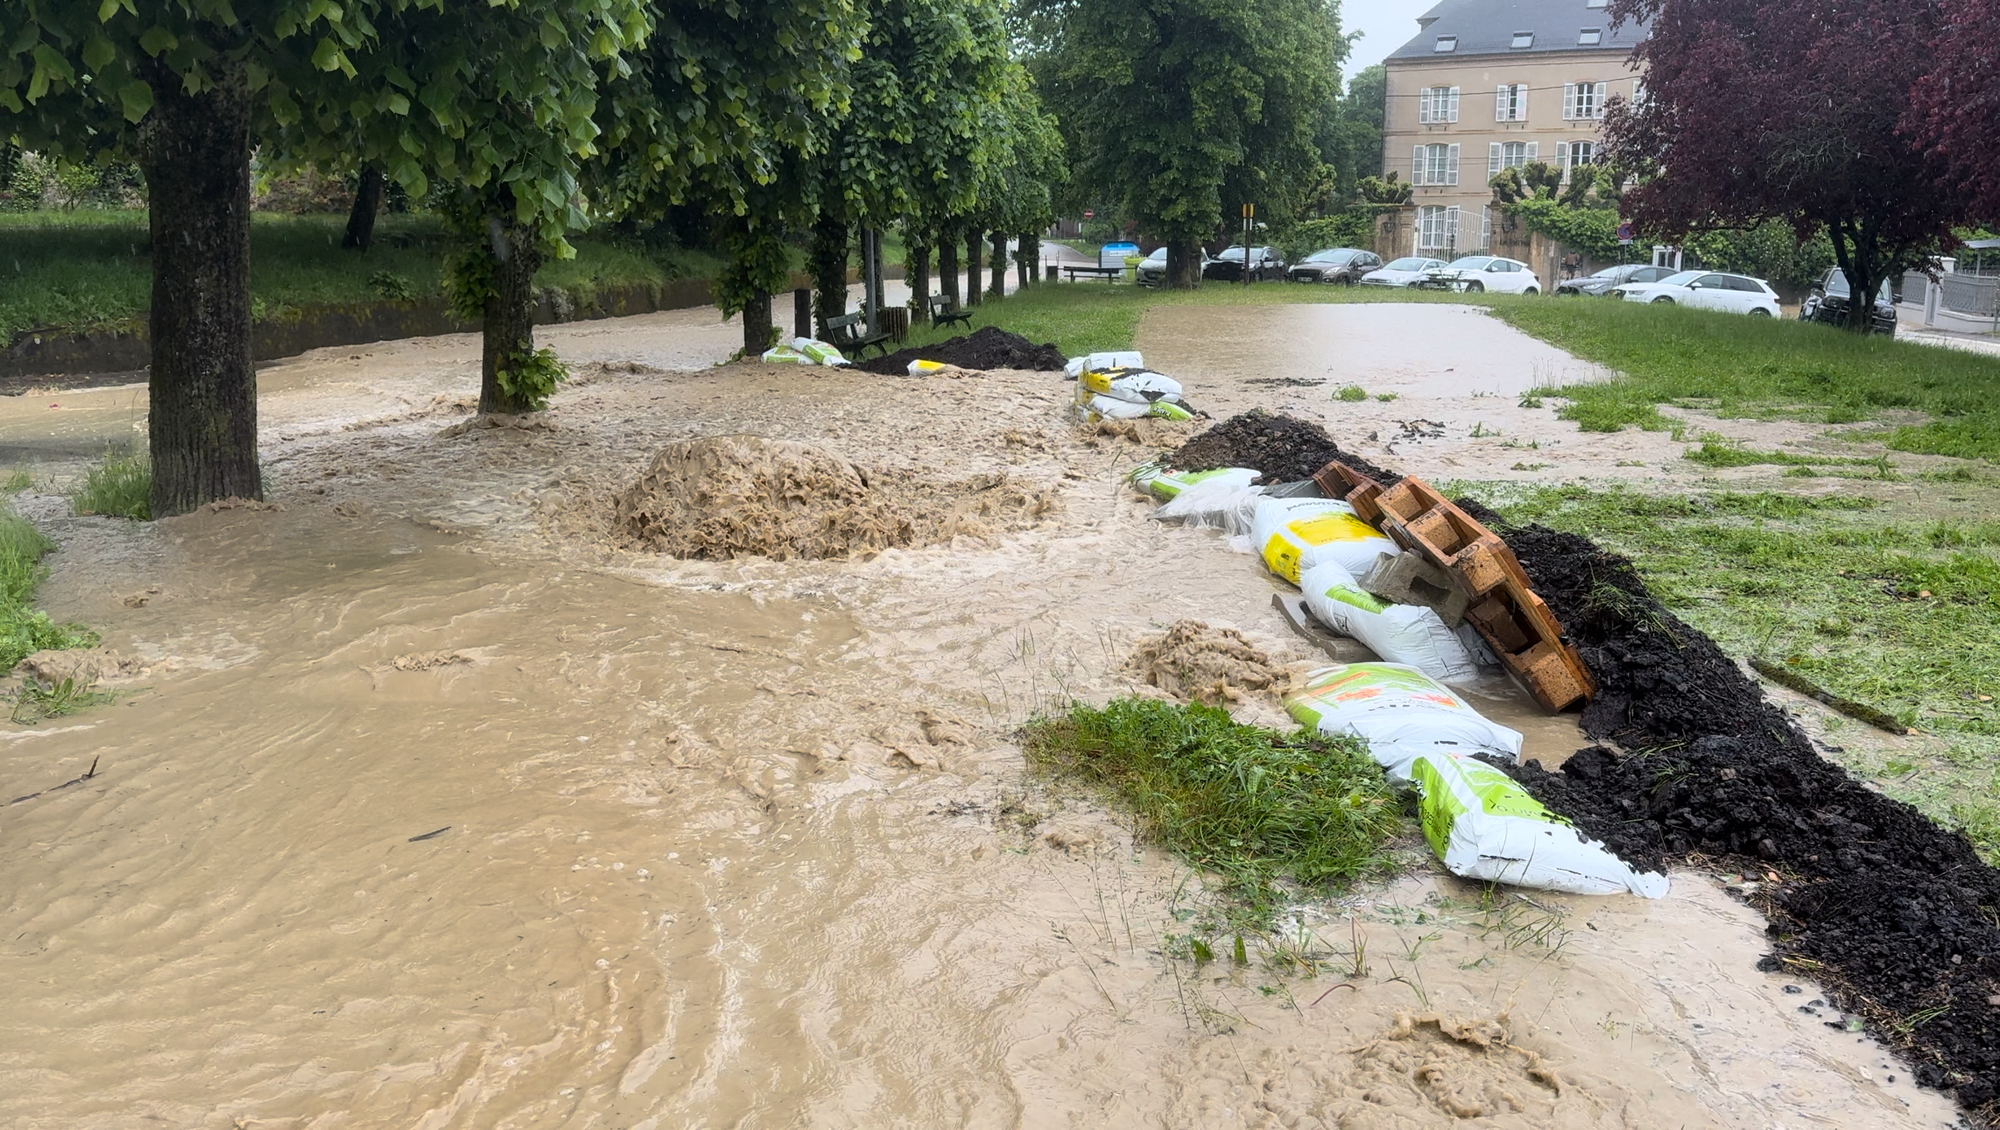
(361, 217)
(828, 262)
(1183, 264)
(757, 325)
(878, 287)
(509, 320)
(202, 421)
(1028, 259)
(1858, 253)
(974, 243)
(918, 275)
(999, 264)
(948, 267)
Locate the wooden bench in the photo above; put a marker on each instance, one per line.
(849, 334)
(1108, 274)
(945, 312)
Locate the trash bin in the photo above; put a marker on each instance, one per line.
(895, 321)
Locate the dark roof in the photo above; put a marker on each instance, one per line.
(1487, 27)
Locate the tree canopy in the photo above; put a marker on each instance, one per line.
(1956, 109)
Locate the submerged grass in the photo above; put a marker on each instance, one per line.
(120, 487)
(1252, 805)
(23, 628)
(1903, 617)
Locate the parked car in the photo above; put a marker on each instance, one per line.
(1227, 266)
(1401, 272)
(1710, 290)
(1342, 265)
(1830, 300)
(1472, 274)
(1600, 284)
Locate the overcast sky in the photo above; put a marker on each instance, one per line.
(1384, 26)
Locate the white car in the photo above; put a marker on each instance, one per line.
(1709, 290)
(1473, 274)
(1401, 272)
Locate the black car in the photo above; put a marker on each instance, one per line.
(1342, 265)
(1828, 303)
(1227, 266)
(1600, 284)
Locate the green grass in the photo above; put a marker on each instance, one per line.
(1901, 616)
(1251, 805)
(87, 270)
(23, 628)
(1761, 367)
(120, 487)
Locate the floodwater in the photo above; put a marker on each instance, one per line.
(432, 808)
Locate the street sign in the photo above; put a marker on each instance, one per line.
(1625, 232)
(1089, 215)
(1249, 210)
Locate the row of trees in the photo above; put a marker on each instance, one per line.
(534, 118)
(1873, 122)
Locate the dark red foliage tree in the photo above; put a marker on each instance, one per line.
(1788, 110)
(1956, 108)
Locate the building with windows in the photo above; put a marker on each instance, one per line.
(1494, 84)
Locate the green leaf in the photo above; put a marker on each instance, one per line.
(327, 56)
(107, 10)
(399, 105)
(137, 98)
(157, 39)
(98, 52)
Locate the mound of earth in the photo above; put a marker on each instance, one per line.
(721, 497)
(1194, 661)
(1284, 448)
(1896, 916)
(988, 347)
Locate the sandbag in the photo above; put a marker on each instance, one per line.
(1141, 386)
(786, 355)
(1100, 407)
(1294, 534)
(1215, 505)
(820, 352)
(1163, 483)
(1124, 359)
(1479, 822)
(921, 368)
(1409, 634)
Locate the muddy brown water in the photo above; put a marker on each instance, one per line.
(745, 843)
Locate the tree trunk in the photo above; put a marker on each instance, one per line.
(918, 275)
(367, 203)
(999, 264)
(973, 245)
(757, 325)
(202, 421)
(1028, 259)
(1183, 264)
(1858, 254)
(829, 268)
(948, 267)
(879, 286)
(509, 321)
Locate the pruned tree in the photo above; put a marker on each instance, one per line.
(1955, 110)
(1180, 110)
(1787, 110)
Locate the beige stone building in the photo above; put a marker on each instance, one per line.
(1491, 84)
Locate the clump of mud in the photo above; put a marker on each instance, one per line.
(721, 497)
(1199, 663)
(81, 667)
(988, 347)
(1461, 1067)
(1895, 915)
(1284, 448)
(1145, 431)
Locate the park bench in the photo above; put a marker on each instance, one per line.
(945, 312)
(1108, 274)
(850, 335)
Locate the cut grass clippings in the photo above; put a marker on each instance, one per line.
(119, 487)
(1904, 618)
(1765, 367)
(1252, 805)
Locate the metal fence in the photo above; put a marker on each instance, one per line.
(1959, 292)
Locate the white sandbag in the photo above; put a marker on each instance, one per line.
(820, 352)
(1486, 827)
(786, 355)
(1100, 407)
(1479, 822)
(1294, 534)
(1215, 505)
(1165, 483)
(1126, 359)
(1398, 710)
(1141, 386)
(922, 368)
(1409, 634)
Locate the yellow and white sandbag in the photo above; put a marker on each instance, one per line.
(1398, 633)
(1294, 534)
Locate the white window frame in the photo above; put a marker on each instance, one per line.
(1590, 37)
(1498, 157)
(1583, 101)
(1437, 105)
(1516, 43)
(1566, 155)
(1437, 227)
(1445, 43)
(1510, 103)
(1596, 3)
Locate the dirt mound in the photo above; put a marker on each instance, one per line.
(988, 347)
(1194, 661)
(1461, 1068)
(1895, 915)
(721, 497)
(1284, 448)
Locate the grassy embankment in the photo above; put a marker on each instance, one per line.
(88, 270)
(23, 627)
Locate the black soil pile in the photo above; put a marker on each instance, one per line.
(1285, 449)
(1893, 914)
(988, 347)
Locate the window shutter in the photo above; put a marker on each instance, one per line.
(1534, 151)
(1492, 160)
(1562, 156)
(1569, 101)
(1451, 166)
(1424, 106)
(1417, 167)
(1451, 112)
(1500, 103)
(1597, 106)
(1521, 102)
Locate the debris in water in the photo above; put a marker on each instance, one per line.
(432, 835)
(1195, 662)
